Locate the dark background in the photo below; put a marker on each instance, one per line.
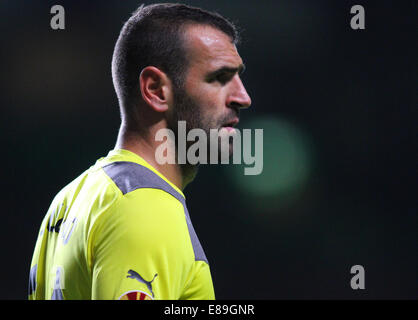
(338, 108)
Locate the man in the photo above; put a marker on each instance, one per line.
(122, 230)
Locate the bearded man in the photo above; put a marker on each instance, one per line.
(121, 230)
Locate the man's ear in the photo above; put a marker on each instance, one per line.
(156, 88)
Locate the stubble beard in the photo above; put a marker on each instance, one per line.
(185, 109)
(188, 110)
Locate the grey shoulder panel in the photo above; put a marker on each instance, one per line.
(32, 279)
(130, 176)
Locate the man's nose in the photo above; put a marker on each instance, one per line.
(239, 96)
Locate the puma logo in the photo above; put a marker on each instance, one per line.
(135, 275)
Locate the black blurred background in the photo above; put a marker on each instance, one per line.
(338, 109)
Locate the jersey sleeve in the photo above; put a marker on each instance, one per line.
(140, 248)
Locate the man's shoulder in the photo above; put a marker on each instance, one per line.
(121, 190)
(150, 201)
(130, 176)
(141, 193)
(144, 215)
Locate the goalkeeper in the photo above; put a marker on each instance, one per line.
(121, 230)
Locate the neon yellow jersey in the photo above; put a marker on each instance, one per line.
(121, 230)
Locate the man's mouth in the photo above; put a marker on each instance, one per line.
(231, 124)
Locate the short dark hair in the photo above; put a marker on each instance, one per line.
(152, 36)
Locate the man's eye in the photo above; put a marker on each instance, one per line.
(223, 78)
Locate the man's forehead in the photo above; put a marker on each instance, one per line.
(208, 45)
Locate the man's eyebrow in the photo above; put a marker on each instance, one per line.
(226, 69)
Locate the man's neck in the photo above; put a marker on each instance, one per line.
(145, 147)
